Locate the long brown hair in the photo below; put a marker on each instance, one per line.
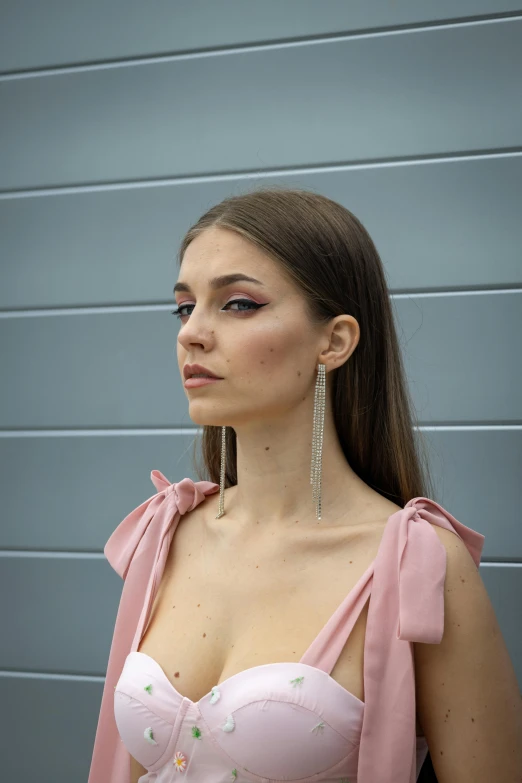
(334, 262)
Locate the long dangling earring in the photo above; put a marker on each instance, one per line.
(317, 447)
(317, 438)
(222, 474)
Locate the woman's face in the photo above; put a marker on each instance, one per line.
(266, 356)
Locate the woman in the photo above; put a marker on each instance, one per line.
(250, 650)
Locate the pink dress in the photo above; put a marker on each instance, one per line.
(288, 721)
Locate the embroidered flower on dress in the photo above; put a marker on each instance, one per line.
(196, 732)
(148, 688)
(179, 761)
(216, 695)
(318, 726)
(229, 724)
(148, 736)
(297, 681)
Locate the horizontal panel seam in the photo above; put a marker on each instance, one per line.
(78, 432)
(289, 42)
(65, 555)
(258, 174)
(20, 312)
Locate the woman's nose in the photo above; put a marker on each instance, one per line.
(195, 333)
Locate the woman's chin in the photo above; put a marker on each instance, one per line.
(205, 421)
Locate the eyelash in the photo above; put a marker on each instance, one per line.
(254, 305)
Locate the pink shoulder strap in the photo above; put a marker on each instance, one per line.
(137, 550)
(406, 605)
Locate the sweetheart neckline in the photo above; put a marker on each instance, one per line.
(237, 674)
(361, 579)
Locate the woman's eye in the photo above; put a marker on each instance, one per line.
(247, 302)
(178, 312)
(252, 305)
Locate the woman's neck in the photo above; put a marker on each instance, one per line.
(273, 478)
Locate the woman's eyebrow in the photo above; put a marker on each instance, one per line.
(219, 282)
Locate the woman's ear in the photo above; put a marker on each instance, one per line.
(343, 336)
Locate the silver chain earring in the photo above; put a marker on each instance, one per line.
(222, 474)
(317, 447)
(317, 438)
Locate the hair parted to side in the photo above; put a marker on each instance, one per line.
(333, 260)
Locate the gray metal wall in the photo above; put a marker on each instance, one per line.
(120, 123)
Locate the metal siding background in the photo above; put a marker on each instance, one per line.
(413, 120)
(405, 94)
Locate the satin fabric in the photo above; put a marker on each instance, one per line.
(406, 585)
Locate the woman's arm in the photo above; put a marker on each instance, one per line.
(467, 695)
(136, 770)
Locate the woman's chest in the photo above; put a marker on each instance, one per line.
(221, 611)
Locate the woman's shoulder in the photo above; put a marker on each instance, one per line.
(145, 526)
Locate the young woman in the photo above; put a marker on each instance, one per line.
(321, 618)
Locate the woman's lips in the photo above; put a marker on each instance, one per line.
(192, 383)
